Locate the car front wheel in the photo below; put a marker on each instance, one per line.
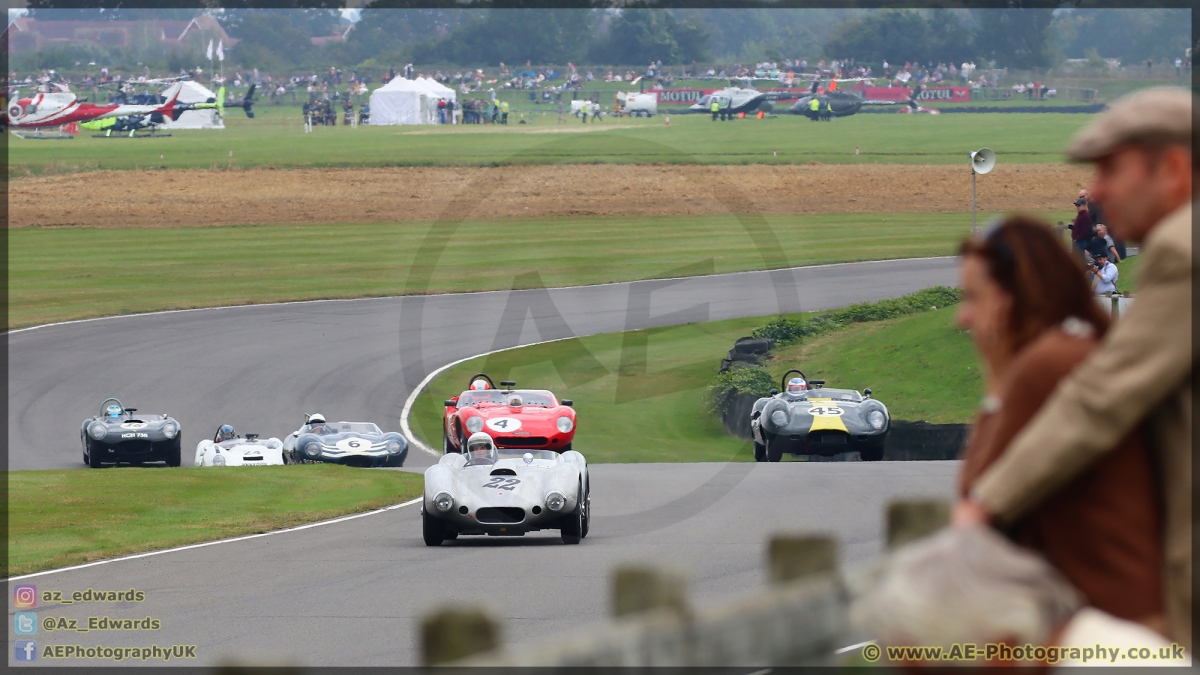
(173, 456)
(774, 451)
(760, 452)
(432, 530)
(572, 524)
(94, 458)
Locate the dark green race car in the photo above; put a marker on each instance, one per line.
(810, 419)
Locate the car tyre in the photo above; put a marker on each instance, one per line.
(432, 530)
(572, 524)
(445, 442)
(94, 458)
(760, 452)
(587, 513)
(871, 453)
(174, 456)
(774, 451)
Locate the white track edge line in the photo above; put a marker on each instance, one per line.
(850, 648)
(297, 528)
(438, 295)
(412, 398)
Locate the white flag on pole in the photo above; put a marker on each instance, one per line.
(220, 51)
(208, 54)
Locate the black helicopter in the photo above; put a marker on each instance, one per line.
(842, 103)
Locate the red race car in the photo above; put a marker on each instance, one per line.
(514, 418)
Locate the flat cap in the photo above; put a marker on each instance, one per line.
(1154, 115)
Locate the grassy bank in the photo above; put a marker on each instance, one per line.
(57, 274)
(61, 518)
(276, 138)
(640, 395)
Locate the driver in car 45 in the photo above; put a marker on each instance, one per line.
(796, 388)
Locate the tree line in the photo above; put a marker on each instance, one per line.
(390, 33)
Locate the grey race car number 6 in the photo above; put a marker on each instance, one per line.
(502, 483)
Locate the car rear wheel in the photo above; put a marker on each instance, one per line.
(760, 452)
(432, 530)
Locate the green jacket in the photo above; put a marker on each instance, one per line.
(814, 104)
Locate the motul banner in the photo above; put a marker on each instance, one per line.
(681, 96)
(945, 94)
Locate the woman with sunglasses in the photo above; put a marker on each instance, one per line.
(1032, 317)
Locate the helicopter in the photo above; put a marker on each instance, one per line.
(841, 103)
(731, 100)
(62, 107)
(136, 123)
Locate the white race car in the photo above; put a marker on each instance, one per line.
(228, 449)
(506, 492)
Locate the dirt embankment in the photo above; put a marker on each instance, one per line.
(181, 198)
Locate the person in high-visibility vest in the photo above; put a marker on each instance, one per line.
(814, 108)
(504, 112)
(716, 108)
(827, 114)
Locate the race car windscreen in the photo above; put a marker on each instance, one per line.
(835, 394)
(496, 397)
(517, 453)
(364, 428)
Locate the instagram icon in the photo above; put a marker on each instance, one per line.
(25, 597)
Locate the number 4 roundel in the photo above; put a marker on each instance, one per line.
(504, 424)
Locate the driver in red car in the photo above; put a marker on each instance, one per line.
(480, 385)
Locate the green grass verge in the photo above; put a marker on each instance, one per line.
(640, 395)
(1128, 272)
(66, 517)
(57, 274)
(276, 138)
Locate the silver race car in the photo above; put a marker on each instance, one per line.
(350, 443)
(116, 436)
(227, 448)
(807, 418)
(506, 492)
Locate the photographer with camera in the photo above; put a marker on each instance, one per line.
(1103, 274)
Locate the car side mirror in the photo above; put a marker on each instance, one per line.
(567, 402)
(450, 404)
(774, 391)
(867, 392)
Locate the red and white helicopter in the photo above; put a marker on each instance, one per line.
(62, 107)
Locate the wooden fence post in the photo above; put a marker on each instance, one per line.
(791, 557)
(909, 520)
(452, 634)
(638, 589)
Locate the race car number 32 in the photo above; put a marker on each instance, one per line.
(826, 411)
(506, 424)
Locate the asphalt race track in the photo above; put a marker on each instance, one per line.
(352, 593)
(261, 367)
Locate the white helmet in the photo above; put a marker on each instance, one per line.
(796, 386)
(480, 446)
(515, 401)
(316, 418)
(480, 385)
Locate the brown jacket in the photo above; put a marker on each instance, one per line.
(1140, 375)
(1103, 529)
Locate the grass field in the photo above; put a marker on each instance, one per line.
(275, 138)
(649, 386)
(67, 517)
(57, 274)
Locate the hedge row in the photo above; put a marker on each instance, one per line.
(756, 381)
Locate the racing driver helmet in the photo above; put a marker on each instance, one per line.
(113, 411)
(515, 401)
(480, 385)
(226, 433)
(480, 447)
(796, 386)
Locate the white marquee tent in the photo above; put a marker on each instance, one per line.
(195, 119)
(404, 101)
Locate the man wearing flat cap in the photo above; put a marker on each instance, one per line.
(1141, 376)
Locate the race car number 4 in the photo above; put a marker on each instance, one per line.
(506, 424)
(826, 411)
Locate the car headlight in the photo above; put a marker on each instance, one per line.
(875, 419)
(170, 429)
(393, 446)
(555, 501)
(97, 431)
(313, 449)
(565, 424)
(779, 417)
(474, 424)
(443, 501)
(219, 460)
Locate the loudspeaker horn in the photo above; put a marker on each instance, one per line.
(983, 160)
